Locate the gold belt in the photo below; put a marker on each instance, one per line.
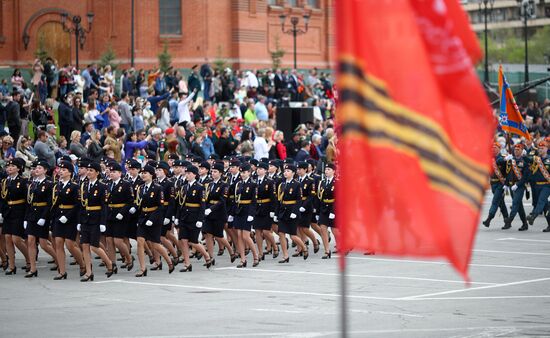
(244, 202)
(94, 208)
(304, 198)
(40, 204)
(65, 206)
(328, 201)
(16, 202)
(119, 205)
(213, 201)
(149, 209)
(543, 183)
(165, 204)
(193, 205)
(289, 202)
(265, 200)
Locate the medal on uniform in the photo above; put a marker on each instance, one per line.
(194, 192)
(68, 190)
(247, 188)
(119, 189)
(18, 185)
(290, 191)
(152, 194)
(43, 188)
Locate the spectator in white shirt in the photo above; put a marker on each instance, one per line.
(261, 148)
(183, 107)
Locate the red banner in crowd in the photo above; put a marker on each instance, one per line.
(414, 151)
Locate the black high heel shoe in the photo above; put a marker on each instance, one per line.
(31, 274)
(285, 260)
(316, 247)
(142, 273)
(234, 257)
(242, 265)
(275, 254)
(54, 268)
(82, 271)
(88, 278)
(5, 265)
(12, 271)
(297, 254)
(209, 263)
(256, 263)
(327, 255)
(221, 252)
(109, 273)
(157, 267)
(187, 268)
(60, 277)
(262, 257)
(131, 265)
(306, 255)
(268, 252)
(171, 267)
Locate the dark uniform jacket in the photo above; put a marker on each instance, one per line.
(169, 203)
(290, 199)
(39, 200)
(326, 196)
(266, 199)
(309, 193)
(66, 202)
(216, 196)
(150, 201)
(245, 198)
(13, 199)
(119, 200)
(191, 203)
(231, 183)
(94, 211)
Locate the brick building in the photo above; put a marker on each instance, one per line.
(243, 32)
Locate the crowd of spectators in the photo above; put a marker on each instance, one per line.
(134, 113)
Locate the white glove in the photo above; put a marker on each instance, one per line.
(1, 219)
(166, 221)
(302, 209)
(199, 225)
(25, 225)
(102, 228)
(176, 221)
(506, 188)
(148, 223)
(317, 218)
(314, 210)
(331, 216)
(119, 216)
(514, 187)
(78, 227)
(508, 157)
(249, 218)
(275, 219)
(173, 219)
(41, 222)
(272, 214)
(230, 218)
(63, 219)
(207, 211)
(132, 210)
(293, 216)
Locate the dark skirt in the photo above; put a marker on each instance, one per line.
(240, 222)
(131, 226)
(263, 222)
(189, 231)
(214, 227)
(38, 231)
(305, 219)
(14, 227)
(325, 220)
(151, 234)
(288, 227)
(90, 234)
(66, 231)
(118, 229)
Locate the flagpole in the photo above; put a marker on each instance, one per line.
(343, 291)
(539, 82)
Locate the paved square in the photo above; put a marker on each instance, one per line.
(509, 296)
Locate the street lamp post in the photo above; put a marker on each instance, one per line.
(486, 4)
(79, 31)
(526, 11)
(295, 31)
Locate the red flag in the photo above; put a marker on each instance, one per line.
(414, 152)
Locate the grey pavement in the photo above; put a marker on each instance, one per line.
(509, 297)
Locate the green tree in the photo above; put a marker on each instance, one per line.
(108, 57)
(165, 59)
(41, 52)
(277, 54)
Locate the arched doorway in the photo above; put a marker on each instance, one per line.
(56, 41)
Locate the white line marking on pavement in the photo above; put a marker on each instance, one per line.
(333, 313)
(247, 290)
(401, 331)
(358, 276)
(515, 252)
(483, 297)
(445, 263)
(476, 288)
(386, 313)
(522, 240)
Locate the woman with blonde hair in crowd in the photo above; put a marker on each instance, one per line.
(25, 152)
(76, 147)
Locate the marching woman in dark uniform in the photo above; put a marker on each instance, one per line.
(120, 200)
(265, 211)
(64, 219)
(149, 199)
(38, 215)
(316, 179)
(131, 222)
(190, 218)
(245, 209)
(93, 220)
(12, 212)
(290, 198)
(233, 178)
(216, 213)
(179, 181)
(309, 195)
(168, 212)
(326, 207)
(274, 174)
